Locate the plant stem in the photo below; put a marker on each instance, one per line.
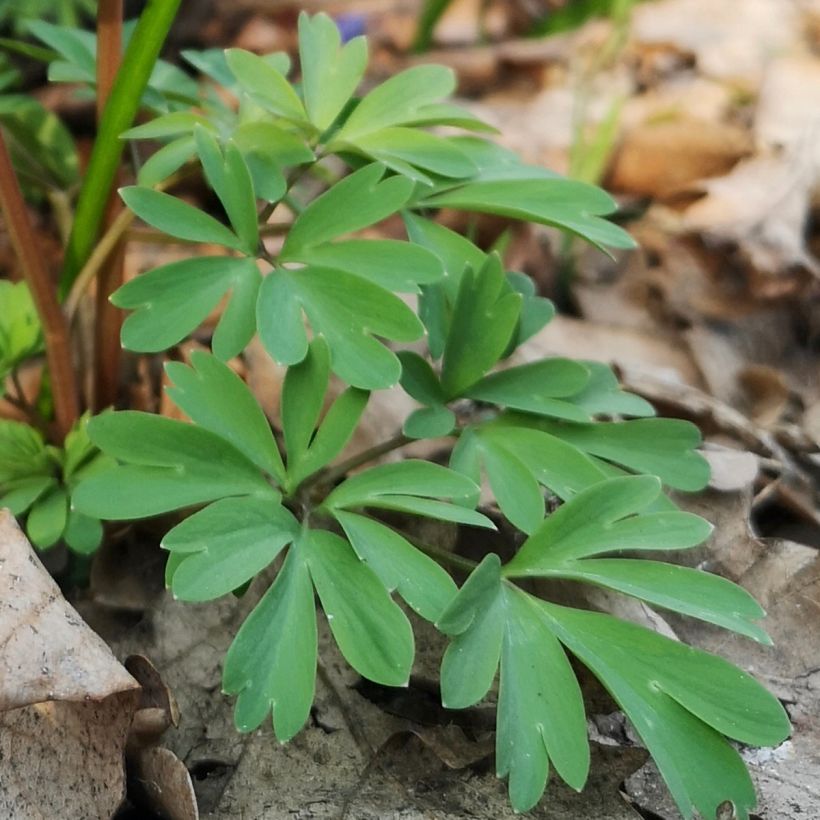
(333, 474)
(19, 400)
(55, 328)
(108, 318)
(120, 110)
(441, 555)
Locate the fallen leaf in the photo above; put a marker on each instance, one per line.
(65, 702)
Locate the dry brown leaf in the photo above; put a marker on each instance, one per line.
(163, 783)
(731, 40)
(65, 702)
(659, 158)
(732, 470)
(623, 347)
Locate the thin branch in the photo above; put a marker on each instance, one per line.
(55, 328)
(108, 318)
(441, 555)
(333, 474)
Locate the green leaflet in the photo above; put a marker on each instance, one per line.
(166, 465)
(602, 394)
(680, 700)
(574, 206)
(429, 422)
(47, 518)
(347, 310)
(271, 664)
(484, 318)
(540, 710)
(230, 178)
(355, 202)
(405, 150)
(216, 399)
(171, 301)
(410, 486)
(388, 263)
(662, 447)
(331, 72)
(373, 634)
(22, 452)
(400, 566)
(226, 544)
(177, 218)
(265, 84)
(536, 388)
(303, 396)
(398, 100)
(166, 161)
(21, 335)
(617, 515)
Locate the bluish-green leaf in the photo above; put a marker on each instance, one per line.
(226, 544)
(334, 433)
(83, 534)
(574, 206)
(429, 422)
(475, 621)
(603, 395)
(271, 664)
(303, 395)
(47, 518)
(541, 714)
(607, 517)
(398, 100)
(215, 398)
(166, 161)
(662, 447)
(692, 592)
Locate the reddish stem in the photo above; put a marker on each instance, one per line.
(109, 319)
(43, 291)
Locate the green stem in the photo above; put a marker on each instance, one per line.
(120, 111)
(333, 474)
(441, 555)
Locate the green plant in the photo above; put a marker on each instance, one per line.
(324, 303)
